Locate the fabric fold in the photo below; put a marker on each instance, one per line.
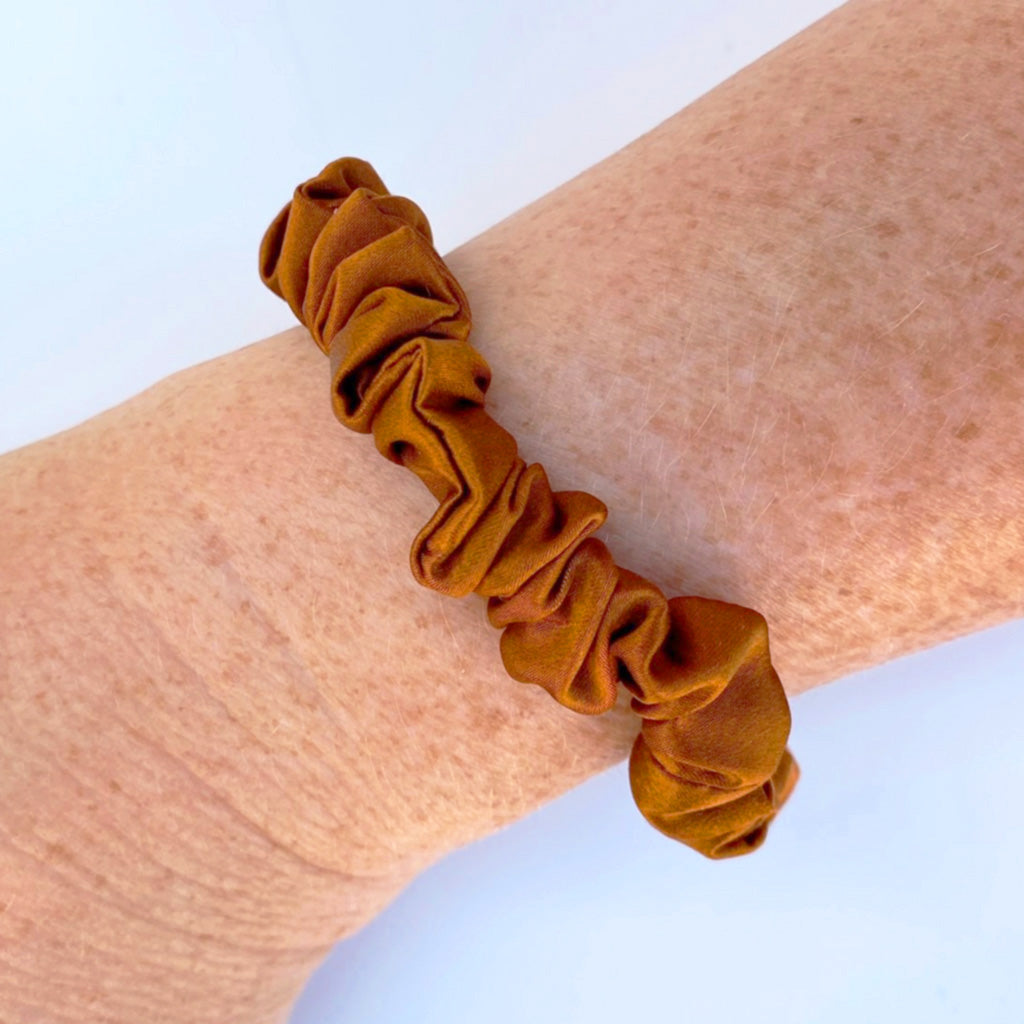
(709, 767)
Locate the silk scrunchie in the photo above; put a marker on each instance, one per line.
(710, 766)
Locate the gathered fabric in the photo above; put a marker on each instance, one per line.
(709, 766)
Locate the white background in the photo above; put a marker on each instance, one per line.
(146, 147)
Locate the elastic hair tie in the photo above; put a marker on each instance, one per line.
(709, 766)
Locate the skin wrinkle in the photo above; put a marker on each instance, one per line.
(142, 959)
(54, 852)
(219, 686)
(44, 864)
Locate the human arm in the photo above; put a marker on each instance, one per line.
(709, 332)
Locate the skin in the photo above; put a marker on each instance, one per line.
(780, 336)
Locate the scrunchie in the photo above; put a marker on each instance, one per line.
(709, 766)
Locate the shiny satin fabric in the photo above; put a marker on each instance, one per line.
(709, 766)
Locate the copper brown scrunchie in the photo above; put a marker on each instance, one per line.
(709, 766)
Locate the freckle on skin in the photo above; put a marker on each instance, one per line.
(216, 551)
(968, 431)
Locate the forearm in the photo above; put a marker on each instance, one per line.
(782, 345)
(782, 336)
